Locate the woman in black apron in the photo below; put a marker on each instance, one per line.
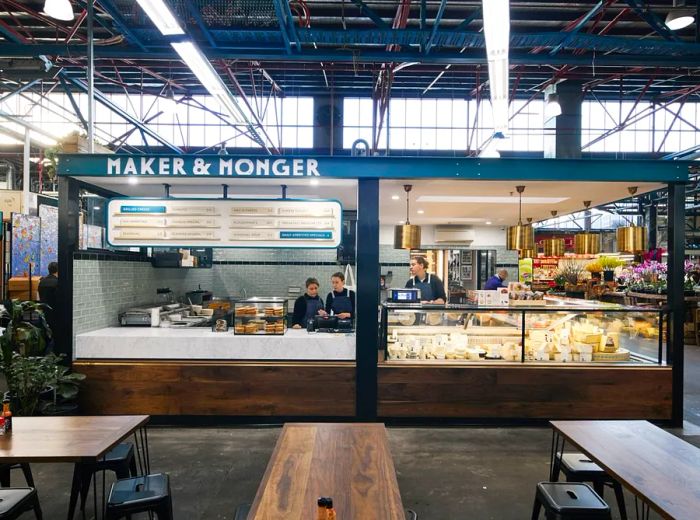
(340, 301)
(307, 305)
(432, 290)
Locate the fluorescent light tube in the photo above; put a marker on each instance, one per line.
(496, 15)
(161, 16)
(208, 77)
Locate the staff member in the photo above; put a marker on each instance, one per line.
(307, 305)
(340, 301)
(496, 281)
(431, 288)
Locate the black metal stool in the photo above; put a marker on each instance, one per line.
(577, 467)
(16, 501)
(5, 473)
(569, 501)
(148, 493)
(119, 460)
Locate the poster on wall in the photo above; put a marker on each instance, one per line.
(467, 273)
(467, 257)
(26, 245)
(49, 236)
(262, 223)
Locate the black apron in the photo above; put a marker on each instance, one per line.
(312, 308)
(341, 303)
(426, 291)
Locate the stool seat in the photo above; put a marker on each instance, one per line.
(120, 453)
(139, 494)
(583, 467)
(15, 501)
(569, 501)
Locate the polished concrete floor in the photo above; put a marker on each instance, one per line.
(444, 473)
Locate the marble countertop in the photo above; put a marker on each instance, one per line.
(202, 343)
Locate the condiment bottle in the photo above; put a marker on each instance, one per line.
(322, 511)
(7, 415)
(330, 512)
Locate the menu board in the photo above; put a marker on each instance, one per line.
(289, 223)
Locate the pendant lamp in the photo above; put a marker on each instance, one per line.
(631, 239)
(59, 10)
(527, 253)
(520, 236)
(407, 236)
(553, 247)
(587, 244)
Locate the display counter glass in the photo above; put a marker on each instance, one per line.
(551, 333)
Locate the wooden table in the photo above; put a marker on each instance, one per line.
(656, 466)
(73, 439)
(351, 463)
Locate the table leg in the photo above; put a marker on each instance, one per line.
(143, 456)
(555, 456)
(641, 508)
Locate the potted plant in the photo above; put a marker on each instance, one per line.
(65, 384)
(608, 265)
(595, 269)
(31, 371)
(572, 272)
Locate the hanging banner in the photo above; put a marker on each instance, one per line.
(253, 223)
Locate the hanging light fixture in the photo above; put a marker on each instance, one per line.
(587, 243)
(520, 236)
(59, 10)
(527, 253)
(678, 19)
(553, 247)
(407, 236)
(631, 239)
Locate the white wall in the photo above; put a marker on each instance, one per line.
(484, 237)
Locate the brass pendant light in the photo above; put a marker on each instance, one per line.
(407, 236)
(553, 247)
(587, 243)
(520, 236)
(631, 239)
(527, 253)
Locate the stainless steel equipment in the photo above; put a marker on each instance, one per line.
(176, 313)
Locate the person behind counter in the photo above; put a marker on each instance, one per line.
(431, 287)
(340, 301)
(497, 280)
(307, 305)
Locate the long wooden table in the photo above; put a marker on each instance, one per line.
(661, 469)
(351, 463)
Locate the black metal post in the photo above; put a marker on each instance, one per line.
(651, 222)
(368, 272)
(68, 242)
(676, 303)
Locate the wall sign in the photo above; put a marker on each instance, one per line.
(290, 223)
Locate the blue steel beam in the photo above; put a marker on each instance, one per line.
(194, 12)
(653, 20)
(19, 90)
(423, 13)
(371, 14)
(122, 25)
(283, 26)
(102, 99)
(73, 103)
(12, 35)
(436, 24)
(573, 32)
(469, 19)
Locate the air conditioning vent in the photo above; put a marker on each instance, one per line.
(454, 234)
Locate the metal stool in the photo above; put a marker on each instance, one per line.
(5, 473)
(577, 467)
(569, 501)
(16, 501)
(119, 460)
(148, 493)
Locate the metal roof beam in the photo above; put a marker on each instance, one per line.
(121, 113)
(577, 27)
(436, 24)
(194, 12)
(653, 20)
(371, 14)
(118, 19)
(19, 90)
(73, 103)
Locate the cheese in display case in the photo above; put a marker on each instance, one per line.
(555, 333)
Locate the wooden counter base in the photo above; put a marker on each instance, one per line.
(306, 389)
(523, 392)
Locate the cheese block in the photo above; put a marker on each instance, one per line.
(621, 355)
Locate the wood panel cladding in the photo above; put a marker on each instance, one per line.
(524, 392)
(221, 388)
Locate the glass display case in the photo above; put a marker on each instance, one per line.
(551, 334)
(260, 316)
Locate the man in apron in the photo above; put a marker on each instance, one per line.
(432, 290)
(307, 305)
(340, 301)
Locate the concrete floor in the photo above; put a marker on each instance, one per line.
(443, 473)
